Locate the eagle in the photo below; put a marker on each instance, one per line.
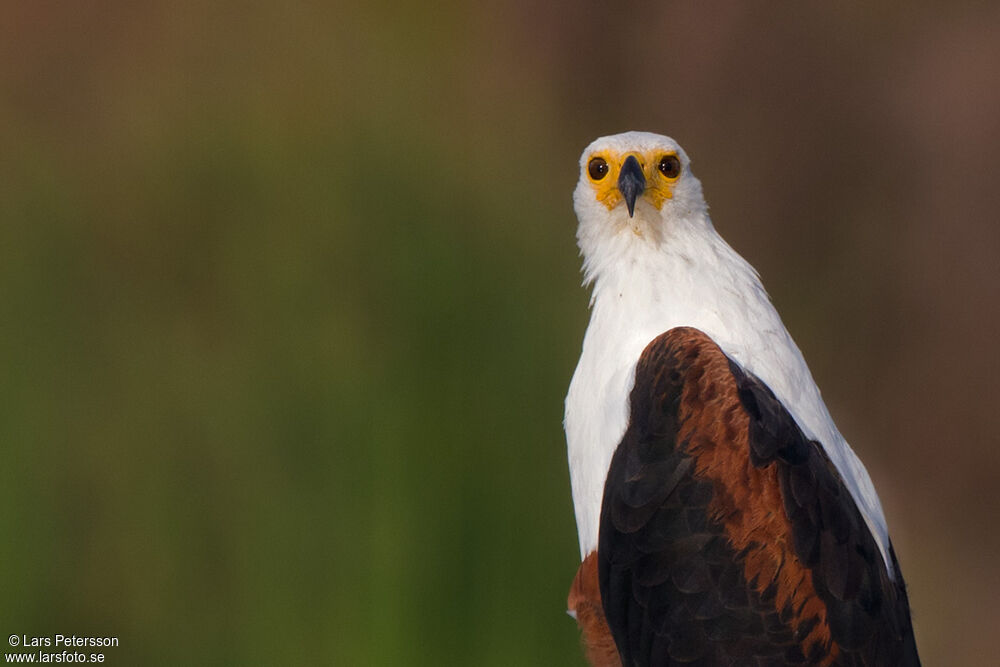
(723, 519)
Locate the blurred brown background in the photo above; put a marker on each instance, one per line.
(289, 301)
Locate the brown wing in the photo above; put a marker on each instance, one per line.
(727, 537)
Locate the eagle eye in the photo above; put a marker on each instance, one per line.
(669, 166)
(597, 168)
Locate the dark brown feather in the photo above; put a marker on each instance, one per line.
(727, 537)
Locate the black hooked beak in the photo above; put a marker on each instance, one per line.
(631, 182)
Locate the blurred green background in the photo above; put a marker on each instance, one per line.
(289, 301)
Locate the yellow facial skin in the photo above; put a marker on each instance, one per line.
(659, 187)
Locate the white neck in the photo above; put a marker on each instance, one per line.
(643, 287)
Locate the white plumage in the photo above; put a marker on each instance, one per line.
(662, 268)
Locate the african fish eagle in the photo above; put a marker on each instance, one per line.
(722, 517)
